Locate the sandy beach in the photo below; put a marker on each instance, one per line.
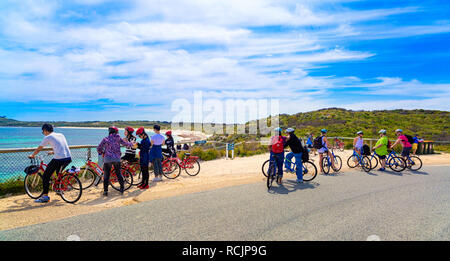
(17, 211)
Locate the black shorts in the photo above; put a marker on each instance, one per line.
(406, 151)
(381, 157)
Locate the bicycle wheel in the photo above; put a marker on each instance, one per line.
(270, 175)
(397, 164)
(414, 163)
(337, 163)
(373, 161)
(353, 161)
(70, 188)
(127, 180)
(309, 171)
(86, 177)
(135, 170)
(34, 185)
(366, 164)
(265, 167)
(326, 165)
(192, 167)
(171, 169)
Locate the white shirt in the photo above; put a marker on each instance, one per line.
(158, 139)
(59, 145)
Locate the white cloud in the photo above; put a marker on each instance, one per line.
(158, 51)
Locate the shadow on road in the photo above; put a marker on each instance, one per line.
(289, 186)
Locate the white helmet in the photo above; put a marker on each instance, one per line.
(382, 131)
(290, 130)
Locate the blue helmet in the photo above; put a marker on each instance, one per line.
(323, 130)
(398, 130)
(278, 129)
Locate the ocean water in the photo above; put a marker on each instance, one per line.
(13, 164)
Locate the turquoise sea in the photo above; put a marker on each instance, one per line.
(13, 164)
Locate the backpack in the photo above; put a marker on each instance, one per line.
(305, 154)
(278, 147)
(366, 150)
(389, 144)
(317, 144)
(410, 139)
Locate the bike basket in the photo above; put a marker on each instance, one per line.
(31, 169)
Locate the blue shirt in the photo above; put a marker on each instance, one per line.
(416, 140)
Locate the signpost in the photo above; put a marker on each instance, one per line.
(230, 147)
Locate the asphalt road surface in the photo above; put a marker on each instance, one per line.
(347, 206)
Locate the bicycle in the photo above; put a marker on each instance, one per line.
(135, 169)
(338, 144)
(64, 183)
(92, 174)
(189, 163)
(395, 162)
(357, 159)
(327, 164)
(308, 167)
(272, 172)
(413, 162)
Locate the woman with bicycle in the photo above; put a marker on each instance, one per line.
(380, 149)
(296, 151)
(144, 157)
(358, 144)
(61, 158)
(322, 148)
(109, 148)
(403, 140)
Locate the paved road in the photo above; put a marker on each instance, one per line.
(348, 206)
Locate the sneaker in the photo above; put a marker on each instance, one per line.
(155, 179)
(145, 187)
(43, 199)
(299, 181)
(105, 193)
(159, 179)
(381, 169)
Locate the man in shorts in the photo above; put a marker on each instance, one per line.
(381, 149)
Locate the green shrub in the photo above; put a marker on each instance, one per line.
(12, 186)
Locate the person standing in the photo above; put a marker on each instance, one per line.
(380, 149)
(309, 143)
(144, 156)
(415, 144)
(109, 148)
(61, 158)
(130, 153)
(358, 142)
(296, 151)
(276, 149)
(170, 143)
(157, 140)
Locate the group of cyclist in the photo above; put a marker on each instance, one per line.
(150, 151)
(321, 145)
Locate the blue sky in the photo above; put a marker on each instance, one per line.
(109, 59)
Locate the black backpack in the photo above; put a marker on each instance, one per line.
(410, 139)
(305, 154)
(366, 150)
(317, 144)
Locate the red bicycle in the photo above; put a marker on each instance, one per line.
(172, 166)
(92, 173)
(64, 183)
(338, 144)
